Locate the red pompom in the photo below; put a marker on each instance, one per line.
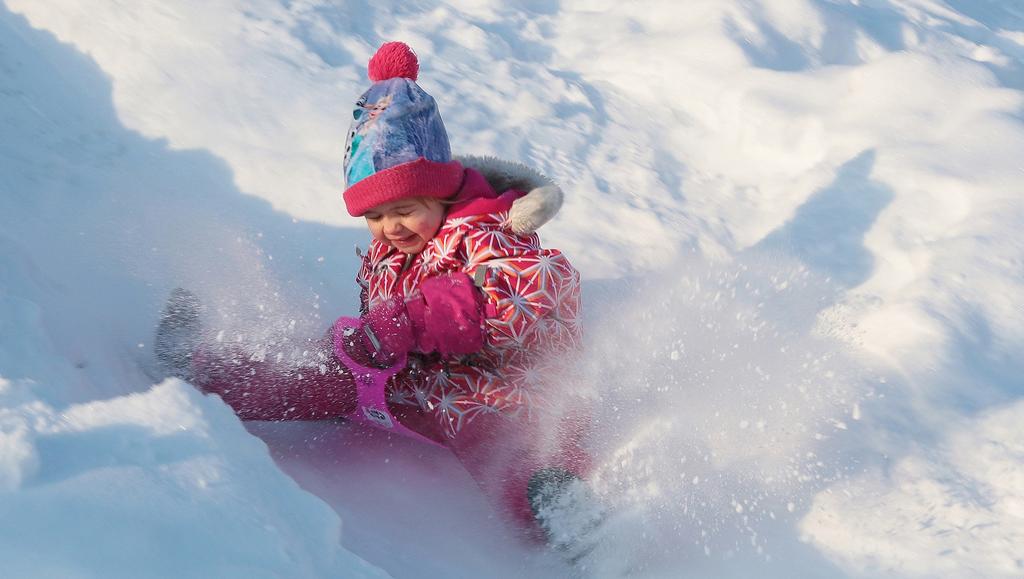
(393, 59)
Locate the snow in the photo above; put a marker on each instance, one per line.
(164, 483)
(796, 221)
(955, 510)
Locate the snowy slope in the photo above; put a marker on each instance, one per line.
(796, 221)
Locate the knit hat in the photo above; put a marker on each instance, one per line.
(397, 146)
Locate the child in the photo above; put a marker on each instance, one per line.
(465, 319)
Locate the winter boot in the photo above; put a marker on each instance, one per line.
(178, 334)
(567, 510)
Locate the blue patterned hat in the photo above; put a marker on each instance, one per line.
(397, 146)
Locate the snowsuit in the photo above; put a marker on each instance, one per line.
(496, 409)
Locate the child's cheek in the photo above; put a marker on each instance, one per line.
(425, 228)
(376, 230)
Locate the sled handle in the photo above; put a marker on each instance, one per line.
(371, 407)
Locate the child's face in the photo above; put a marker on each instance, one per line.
(406, 224)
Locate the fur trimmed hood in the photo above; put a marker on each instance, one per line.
(543, 198)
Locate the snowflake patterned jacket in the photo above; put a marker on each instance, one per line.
(533, 300)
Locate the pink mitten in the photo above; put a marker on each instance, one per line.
(446, 316)
(383, 335)
(389, 325)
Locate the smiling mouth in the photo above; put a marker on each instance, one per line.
(403, 240)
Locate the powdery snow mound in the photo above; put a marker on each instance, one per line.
(164, 483)
(953, 510)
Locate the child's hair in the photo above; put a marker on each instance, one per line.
(446, 202)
